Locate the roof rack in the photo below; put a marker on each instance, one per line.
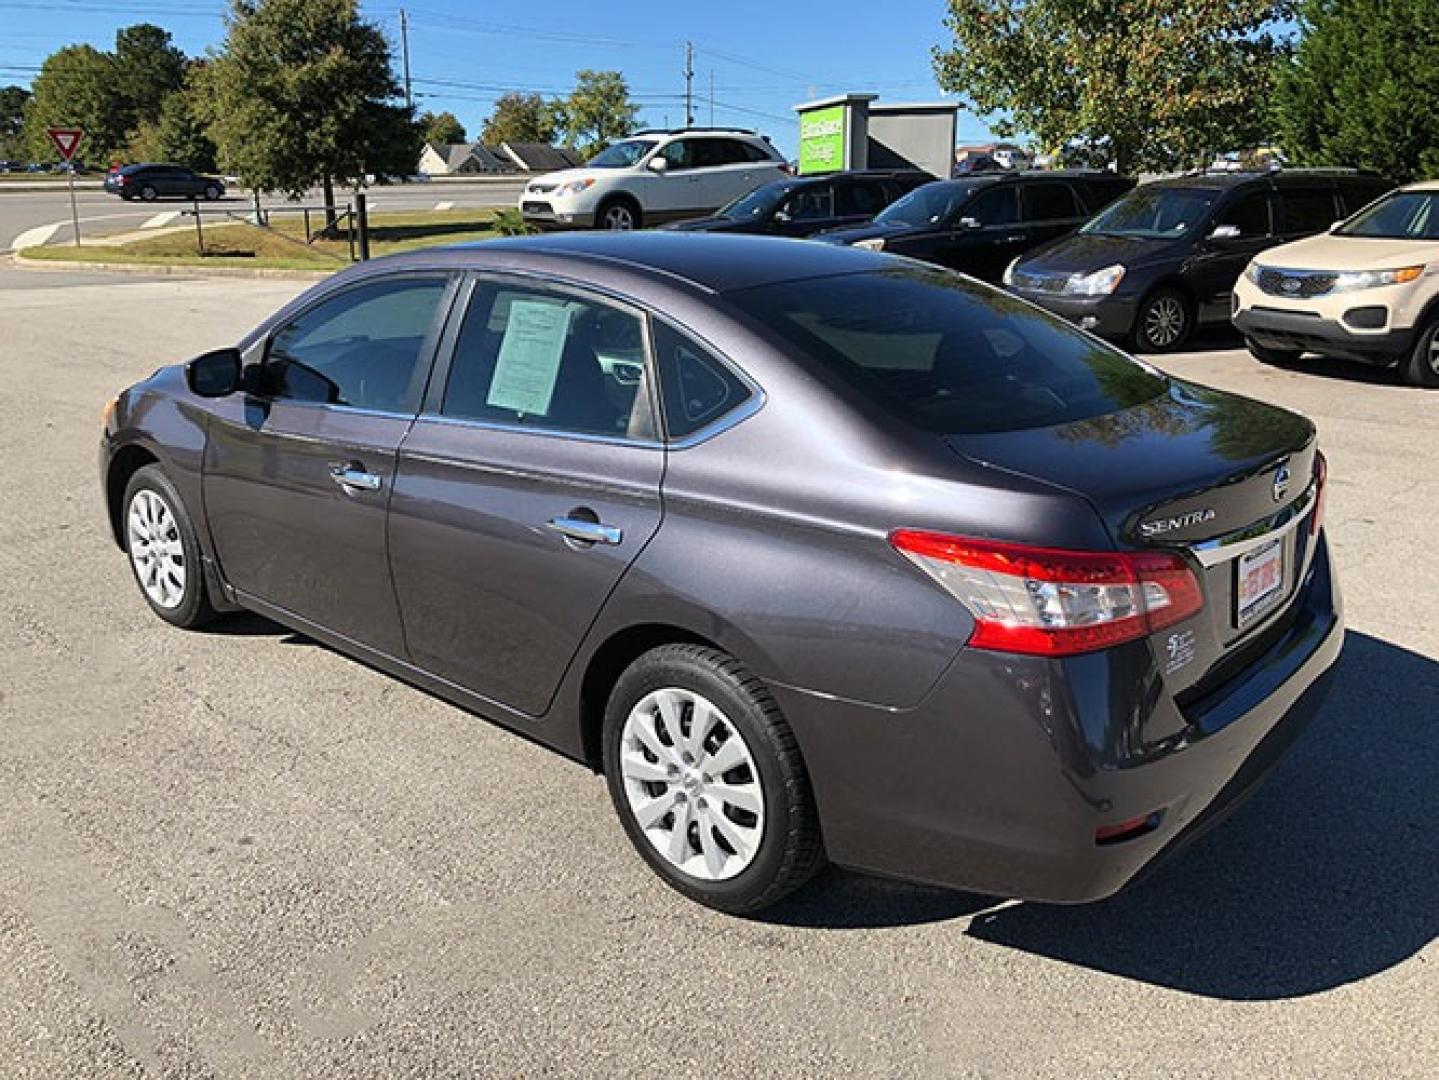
(682, 130)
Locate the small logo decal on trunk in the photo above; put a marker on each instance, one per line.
(1160, 526)
(1281, 482)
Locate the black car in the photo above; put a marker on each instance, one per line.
(980, 224)
(803, 206)
(150, 182)
(815, 553)
(1165, 258)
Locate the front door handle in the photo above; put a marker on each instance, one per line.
(586, 532)
(353, 476)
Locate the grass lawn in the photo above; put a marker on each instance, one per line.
(283, 246)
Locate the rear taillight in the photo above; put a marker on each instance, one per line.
(1052, 602)
(1321, 476)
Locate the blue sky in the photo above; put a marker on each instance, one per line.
(764, 57)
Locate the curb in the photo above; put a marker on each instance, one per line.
(171, 269)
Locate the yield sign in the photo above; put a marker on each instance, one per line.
(66, 140)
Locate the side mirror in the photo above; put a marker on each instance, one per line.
(1225, 232)
(215, 374)
(657, 164)
(970, 223)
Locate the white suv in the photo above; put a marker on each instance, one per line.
(653, 177)
(1368, 289)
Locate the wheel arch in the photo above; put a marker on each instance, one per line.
(620, 196)
(126, 462)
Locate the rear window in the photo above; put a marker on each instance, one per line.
(950, 355)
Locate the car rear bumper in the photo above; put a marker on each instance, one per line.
(1107, 316)
(1274, 328)
(999, 780)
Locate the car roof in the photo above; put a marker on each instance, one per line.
(713, 262)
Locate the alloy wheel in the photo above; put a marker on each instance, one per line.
(156, 550)
(692, 784)
(1434, 352)
(619, 218)
(1164, 321)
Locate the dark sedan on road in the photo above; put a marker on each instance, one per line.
(151, 182)
(814, 552)
(981, 223)
(803, 206)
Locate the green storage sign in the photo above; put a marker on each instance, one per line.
(821, 140)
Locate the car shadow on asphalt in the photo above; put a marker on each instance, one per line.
(1328, 875)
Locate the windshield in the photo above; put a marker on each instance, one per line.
(930, 204)
(1403, 215)
(1156, 212)
(756, 204)
(950, 355)
(621, 154)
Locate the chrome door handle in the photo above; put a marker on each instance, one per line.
(352, 476)
(587, 532)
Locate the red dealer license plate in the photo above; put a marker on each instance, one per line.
(1259, 583)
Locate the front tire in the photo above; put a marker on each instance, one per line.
(619, 215)
(1277, 357)
(212, 193)
(164, 551)
(1421, 367)
(1163, 322)
(708, 780)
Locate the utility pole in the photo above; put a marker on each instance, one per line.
(712, 97)
(405, 54)
(689, 84)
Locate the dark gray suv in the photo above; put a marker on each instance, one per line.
(815, 552)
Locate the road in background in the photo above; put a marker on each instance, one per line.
(238, 853)
(43, 217)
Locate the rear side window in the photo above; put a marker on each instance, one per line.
(712, 152)
(859, 197)
(530, 358)
(696, 387)
(362, 348)
(755, 153)
(949, 355)
(1050, 202)
(1308, 210)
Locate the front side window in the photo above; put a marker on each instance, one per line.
(946, 354)
(1402, 215)
(551, 361)
(813, 203)
(681, 154)
(622, 154)
(362, 348)
(1248, 213)
(697, 388)
(860, 197)
(997, 206)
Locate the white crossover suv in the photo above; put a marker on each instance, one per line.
(1368, 289)
(652, 177)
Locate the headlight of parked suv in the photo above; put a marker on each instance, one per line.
(875, 243)
(574, 187)
(1100, 283)
(1352, 280)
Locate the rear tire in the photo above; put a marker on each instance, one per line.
(164, 550)
(148, 194)
(1278, 357)
(723, 813)
(212, 193)
(619, 215)
(1163, 322)
(1421, 367)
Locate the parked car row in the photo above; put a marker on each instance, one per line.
(39, 167)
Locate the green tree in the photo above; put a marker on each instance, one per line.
(13, 101)
(1154, 84)
(75, 88)
(301, 93)
(179, 136)
(519, 118)
(147, 68)
(1363, 88)
(441, 128)
(597, 112)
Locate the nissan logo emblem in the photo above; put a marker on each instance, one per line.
(1281, 482)
(1290, 284)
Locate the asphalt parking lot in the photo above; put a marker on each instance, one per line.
(236, 853)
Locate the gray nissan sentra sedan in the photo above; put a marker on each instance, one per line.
(816, 553)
